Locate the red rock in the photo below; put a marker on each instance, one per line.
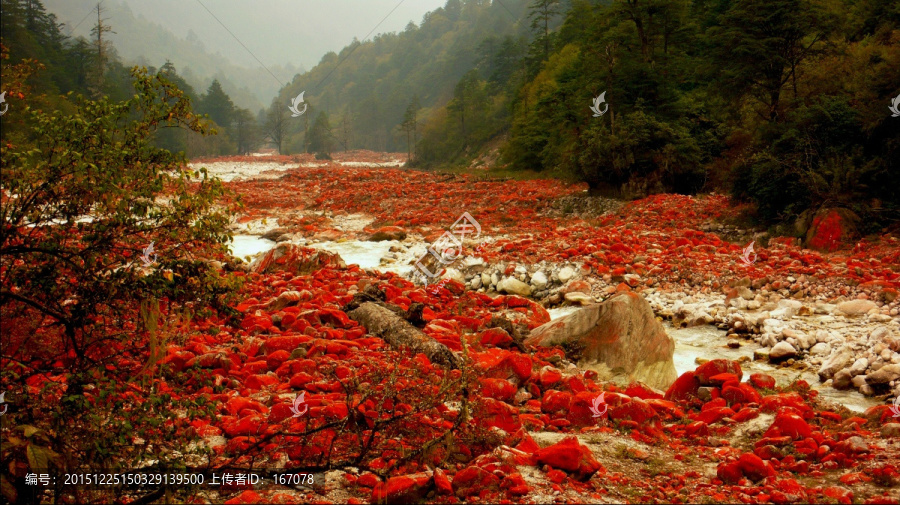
(503, 364)
(841, 494)
(275, 359)
(472, 481)
(402, 489)
(789, 424)
(774, 403)
(580, 413)
(442, 483)
(283, 343)
(237, 404)
(489, 413)
(715, 414)
(768, 452)
(571, 456)
(257, 382)
(754, 468)
(555, 401)
(832, 228)
(746, 414)
(549, 376)
(742, 393)
(369, 479)
(706, 371)
(723, 378)
(643, 391)
(280, 412)
(636, 410)
(556, 476)
(729, 473)
(697, 428)
(762, 381)
(292, 258)
(497, 337)
(683, 388)
(499, 389)
(788, 491)
(515, 485)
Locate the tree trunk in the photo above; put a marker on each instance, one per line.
(397, 332)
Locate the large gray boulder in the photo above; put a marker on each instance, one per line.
(620, 339)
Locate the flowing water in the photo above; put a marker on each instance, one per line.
(250, 245)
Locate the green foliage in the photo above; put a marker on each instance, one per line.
(320, 141)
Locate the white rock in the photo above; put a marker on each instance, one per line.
(539, 280)
(454, 274)
(782, 350)
(820, 349)
(475, 282)
(566, 274)
(859, 366)
(513, 286)
(856, 307)
(485, 279)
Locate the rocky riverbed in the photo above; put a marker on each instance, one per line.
(746, 420)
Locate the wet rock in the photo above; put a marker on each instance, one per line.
(884, 375)
(841, 380)
(762, 381)
(620, 337)
(859, 366)
(513, 286)
(782, 351)
(838, 360)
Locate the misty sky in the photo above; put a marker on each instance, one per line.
(276, 31)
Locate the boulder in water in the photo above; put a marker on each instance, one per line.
(619, 338)
(293, 258)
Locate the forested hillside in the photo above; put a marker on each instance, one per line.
(92, 68)
(784, 103)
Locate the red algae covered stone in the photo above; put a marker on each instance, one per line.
(571, 456)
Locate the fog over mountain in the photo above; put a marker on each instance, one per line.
(287, 36)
